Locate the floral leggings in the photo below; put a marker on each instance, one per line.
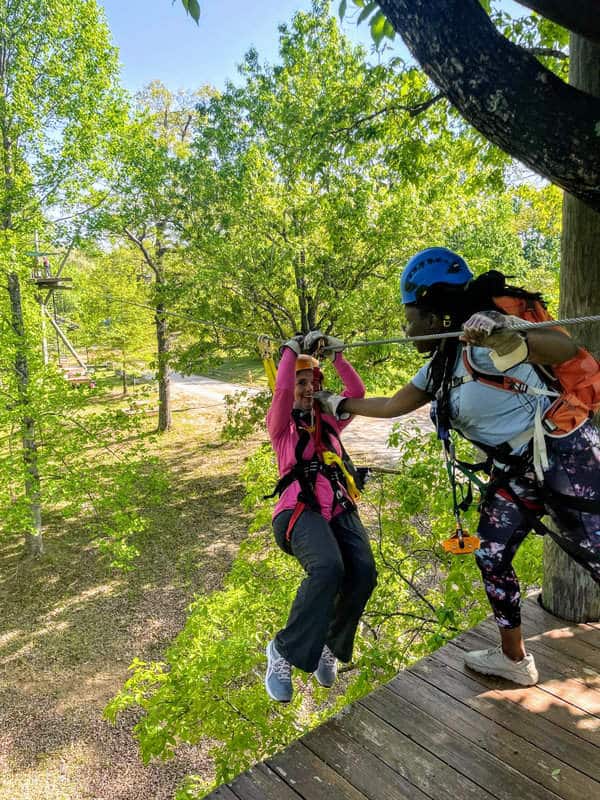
(574, 469)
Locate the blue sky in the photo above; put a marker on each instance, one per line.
(158, 40)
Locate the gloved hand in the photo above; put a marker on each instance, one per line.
(330, 404)
(333, 345)
(494, 330)
(295, 344)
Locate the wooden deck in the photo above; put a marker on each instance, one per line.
(442, 732)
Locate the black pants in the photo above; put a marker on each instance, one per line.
(340, 577)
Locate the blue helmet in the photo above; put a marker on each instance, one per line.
(434, 265)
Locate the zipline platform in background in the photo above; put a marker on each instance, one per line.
(440, 731)
(52, 283)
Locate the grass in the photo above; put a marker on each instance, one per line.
(242, 370)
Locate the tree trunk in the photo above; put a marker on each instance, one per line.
(568, 591)
(33, 533)
(163, 356)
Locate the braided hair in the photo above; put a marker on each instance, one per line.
(454, 305)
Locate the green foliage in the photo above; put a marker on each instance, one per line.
(244, 413)
(59, 105)
(304, 203)
(93, 461)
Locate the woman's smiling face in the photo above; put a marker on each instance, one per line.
(303, 390)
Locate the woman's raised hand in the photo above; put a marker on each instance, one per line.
(331, 345)
(296, 343)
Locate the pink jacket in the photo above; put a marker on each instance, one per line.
(284, 436)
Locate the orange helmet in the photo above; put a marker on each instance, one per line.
(306, 362)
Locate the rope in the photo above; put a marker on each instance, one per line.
(526, 326)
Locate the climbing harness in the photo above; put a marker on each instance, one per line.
(345, 479)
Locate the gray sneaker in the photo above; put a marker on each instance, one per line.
(326, 672)
(278, 679)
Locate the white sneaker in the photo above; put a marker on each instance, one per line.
(495, 662)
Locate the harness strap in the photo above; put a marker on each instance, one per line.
(505, 382)
(339, 471)
(300, 506)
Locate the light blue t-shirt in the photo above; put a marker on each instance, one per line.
(487, 414)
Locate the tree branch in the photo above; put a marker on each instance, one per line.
(579, 16)
(142, 247)
(412, 111)
(505, 92)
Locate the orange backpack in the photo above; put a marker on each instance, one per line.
(577, 380)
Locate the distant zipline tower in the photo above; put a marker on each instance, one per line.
(50, 284)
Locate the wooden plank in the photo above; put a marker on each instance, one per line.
(559, 675)
(406, 757)
(532, 698)
(310, 777)
(534, 767)
(261, 783)
(559, 742)
(538, 621)
(549, 656)
(222, 793)
(358, 766)
(471, 761)
(564, 640)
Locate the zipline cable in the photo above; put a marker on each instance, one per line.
(526, 326)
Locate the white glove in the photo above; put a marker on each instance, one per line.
(494, 330)
(330, 404)
(331, 343)
(295, 344)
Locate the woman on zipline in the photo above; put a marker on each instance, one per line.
(316, 521)
(471, 383)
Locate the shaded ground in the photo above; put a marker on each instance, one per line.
(71, 626)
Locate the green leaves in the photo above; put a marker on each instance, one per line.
(380, 26)
(366, 12)
(192, 7)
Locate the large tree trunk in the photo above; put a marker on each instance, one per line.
(504, 91)
(568, 591)
(33, 533)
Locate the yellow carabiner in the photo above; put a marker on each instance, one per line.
(329, 457)
(265, 349)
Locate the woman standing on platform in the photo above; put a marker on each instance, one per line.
(489, 387)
